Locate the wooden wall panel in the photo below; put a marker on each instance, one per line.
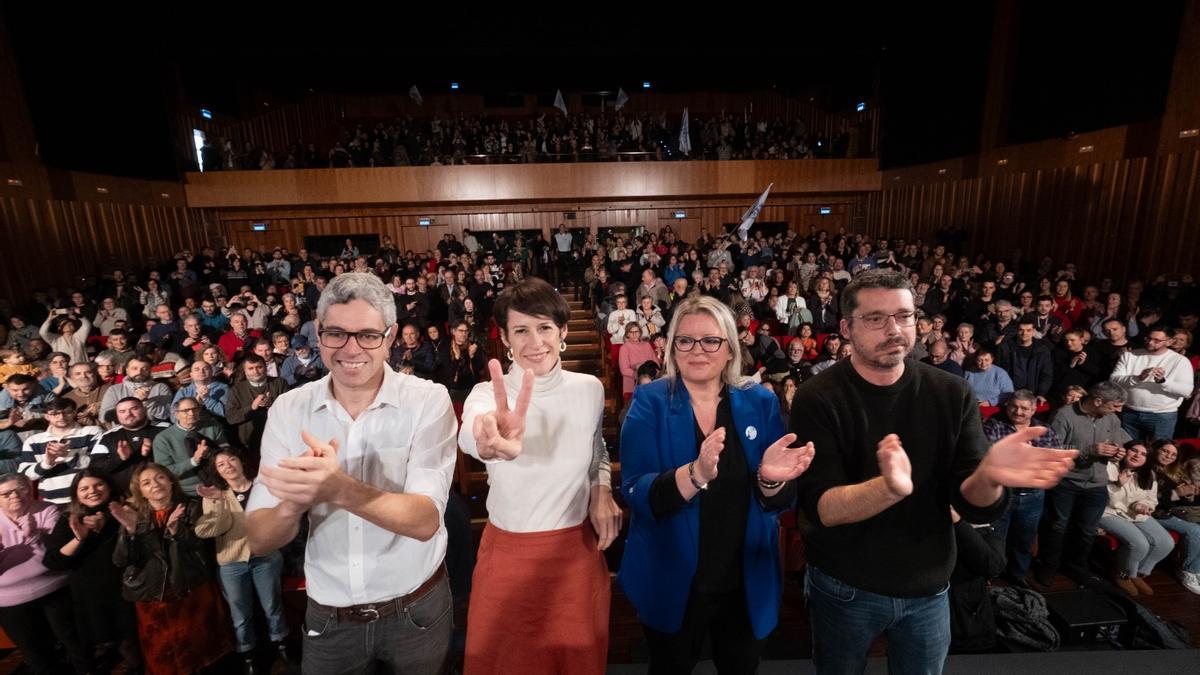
(609, 181)
(401, 222)
(53, 242)
(1125, 218)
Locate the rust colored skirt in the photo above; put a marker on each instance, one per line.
(184, 635)
(539, 604)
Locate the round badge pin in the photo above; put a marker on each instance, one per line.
(751, 433)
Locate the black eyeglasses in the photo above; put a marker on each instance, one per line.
(367, 339)
(877, 321)
(685, 343)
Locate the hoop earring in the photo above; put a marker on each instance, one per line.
(562, 346)
(509, 355)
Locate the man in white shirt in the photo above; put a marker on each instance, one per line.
(369, 454)
(1156, 380)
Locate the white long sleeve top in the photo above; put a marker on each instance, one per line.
(1147, 395)
(548, 486)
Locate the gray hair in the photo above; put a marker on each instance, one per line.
(358, 286)
(880, 278)
(703, 304)
(1107, 392)
(1003, 304)
(19, 477)
(1023, 395)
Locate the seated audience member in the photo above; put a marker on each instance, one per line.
(243, 576)
(35, 604)
(127, 444)
(304, 365)
(989, 382)
(415, 353)
(196, 336)
(184, 446)
(82, 544)
(463, 363)
(844, 351)
(167, 573)
(87, 393)
(618, 318)
(212, 394)
(1177, 497)
(939, 356)
(140, 384)
(963, 348)
(54, 456)
(1027, 361)
(1132, 498)
(20, 333)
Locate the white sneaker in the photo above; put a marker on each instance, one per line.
(1191, 581)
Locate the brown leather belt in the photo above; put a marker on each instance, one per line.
(378, 610)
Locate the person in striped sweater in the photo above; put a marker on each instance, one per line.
(54, 456)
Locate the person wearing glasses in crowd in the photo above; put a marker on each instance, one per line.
(368, 453)
(707, 465)
(54, 456)
(551, 513)
(899, 444)
(184, 446)
(35, 604)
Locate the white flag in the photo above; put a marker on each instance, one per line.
(559, 102)
(622, 99)
(752, 213)
(685, 139)
(416, 95)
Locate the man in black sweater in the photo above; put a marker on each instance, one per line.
(898, 443)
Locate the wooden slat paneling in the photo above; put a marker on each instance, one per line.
(1124, 218)
(53, 243)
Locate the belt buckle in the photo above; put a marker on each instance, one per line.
(366, 614)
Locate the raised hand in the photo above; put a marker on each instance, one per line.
(201, 452)
(123, 450)
(94, 522)
(781, 462)
(500, 433)
(146, 447)
(705, 466)
(1014, 462)
(208, 491)
(78, 529)
(894, 466)
(125, 515)
(173, 519)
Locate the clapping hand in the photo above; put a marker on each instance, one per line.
(782, 463)
(704, 468)
(894, 466)
(309, 479)
(125, 515)
(173, 519)
(1014, 462)
(208, 491)
(499, 433)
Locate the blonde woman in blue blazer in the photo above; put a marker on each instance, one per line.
(707, 468)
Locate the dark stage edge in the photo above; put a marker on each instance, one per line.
(1142, 662)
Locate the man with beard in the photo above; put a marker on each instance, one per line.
(156, 396)
(128, 444)
(118, 349)
(249, 399)
(898, 442)
(87, 393)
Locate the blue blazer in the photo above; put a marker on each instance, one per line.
(661, 555)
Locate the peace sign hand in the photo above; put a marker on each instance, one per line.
(499, 433)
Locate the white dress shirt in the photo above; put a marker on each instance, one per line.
(548, 486)
(402, 443)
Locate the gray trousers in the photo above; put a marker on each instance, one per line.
(415, 640)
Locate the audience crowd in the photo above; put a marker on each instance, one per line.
(582, 137)
(133, 405)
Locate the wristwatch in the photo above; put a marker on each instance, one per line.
(692, 477)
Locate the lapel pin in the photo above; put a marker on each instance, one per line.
(751, 433)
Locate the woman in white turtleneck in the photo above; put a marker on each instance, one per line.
(540, 594)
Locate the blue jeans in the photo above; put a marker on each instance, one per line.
(1018, 528)
(845, 620)
(1071, 519)
(240, 581)
(1142, 545)
(1143, 425)
(1189, 541)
